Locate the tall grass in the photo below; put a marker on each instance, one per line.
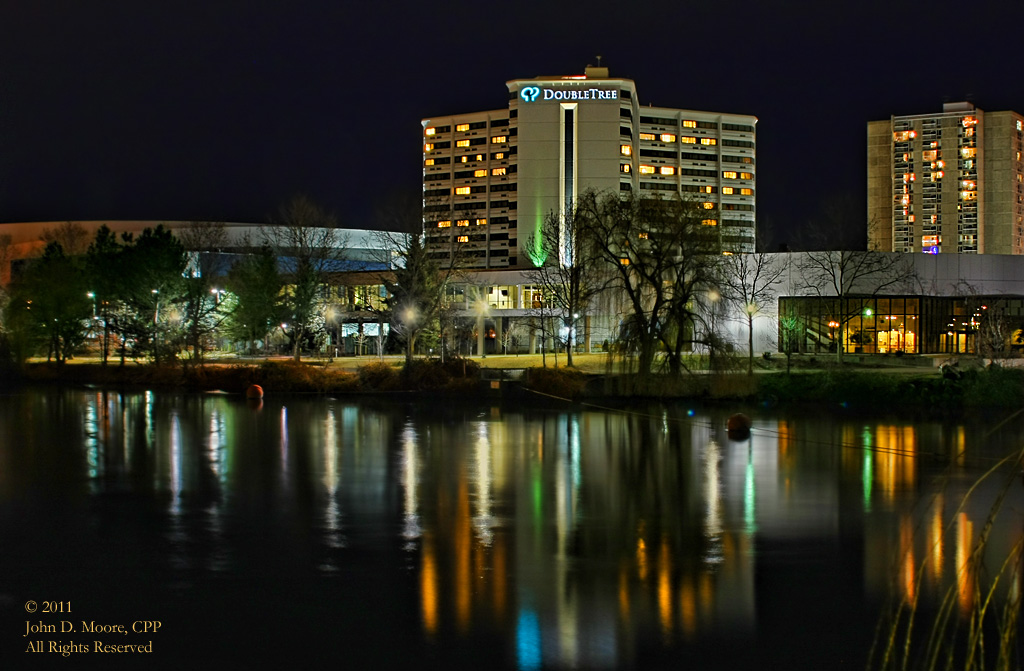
(984, 632)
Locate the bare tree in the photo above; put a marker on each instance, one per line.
(567, 269)
(748, 283)
(662, 253)
(309, 247)
(416, 278)
(849, 277)
(987, 321)
(416, 284)
(202, 309)
(71, 236)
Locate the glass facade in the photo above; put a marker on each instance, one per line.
(984, 325)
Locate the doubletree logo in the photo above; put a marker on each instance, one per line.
(529, 93)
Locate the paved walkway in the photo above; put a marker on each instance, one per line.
(588, 363)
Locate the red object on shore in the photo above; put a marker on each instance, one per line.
(254, 391)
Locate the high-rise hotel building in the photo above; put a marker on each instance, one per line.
(491, 178)
(951, 182)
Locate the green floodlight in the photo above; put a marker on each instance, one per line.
(868, 312)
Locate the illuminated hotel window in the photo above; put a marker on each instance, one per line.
(929, 155)
(689, 124)
(746, 175)
(646, 169)
(709, 206)
(709, 222)
(479, 157)
(969, 121)
(1020, 125)
(746, 192)
(643, 236)
(431, 131)
(729, 174)
(480, 173)
(931, 240)
(648, 136)
(430, 161)
(668, 138)
(688, 140)
(623, 262)
(498, 155)
(481, 222)
(707, 189)
(499, 139)
(444, 224)
(968, 152)
(667, 170)
(462, 143)
(969, 195)
(911, 218)
(498, 172)
(727, 190)
(462, 222)
(463, 238)
(625, 167)
(462, 127)
(462, 190)
(626, 150)
(936, 176)
(708, 140)
(428, 146)
(464, 159)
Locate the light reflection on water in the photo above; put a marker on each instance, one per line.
(568, 539)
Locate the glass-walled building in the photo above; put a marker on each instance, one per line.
(901, 324)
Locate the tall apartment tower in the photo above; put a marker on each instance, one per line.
(491, 178)
(951, 182)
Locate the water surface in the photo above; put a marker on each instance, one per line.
(385, 536)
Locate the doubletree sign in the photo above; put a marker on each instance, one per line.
(534, 93)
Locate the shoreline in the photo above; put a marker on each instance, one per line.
(968, 389)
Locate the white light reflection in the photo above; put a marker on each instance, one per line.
(216, 447)
(92, 456)
(410, 479)
(330, 454)
(175, 464)
(149, 419)
(126, 431)
(284, 445)
(483, 521)
(332, 513)
(713, 497)
(216, 457)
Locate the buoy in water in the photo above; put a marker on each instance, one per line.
(738, 426)
(254, 391)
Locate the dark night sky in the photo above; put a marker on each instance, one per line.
(222, 110)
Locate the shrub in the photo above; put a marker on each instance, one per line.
(564, 383)
(425, 374)
(378, 376)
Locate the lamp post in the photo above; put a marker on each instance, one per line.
(481, 312)
(156, 327)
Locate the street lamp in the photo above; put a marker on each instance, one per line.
(156, 328)
(481, 312)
